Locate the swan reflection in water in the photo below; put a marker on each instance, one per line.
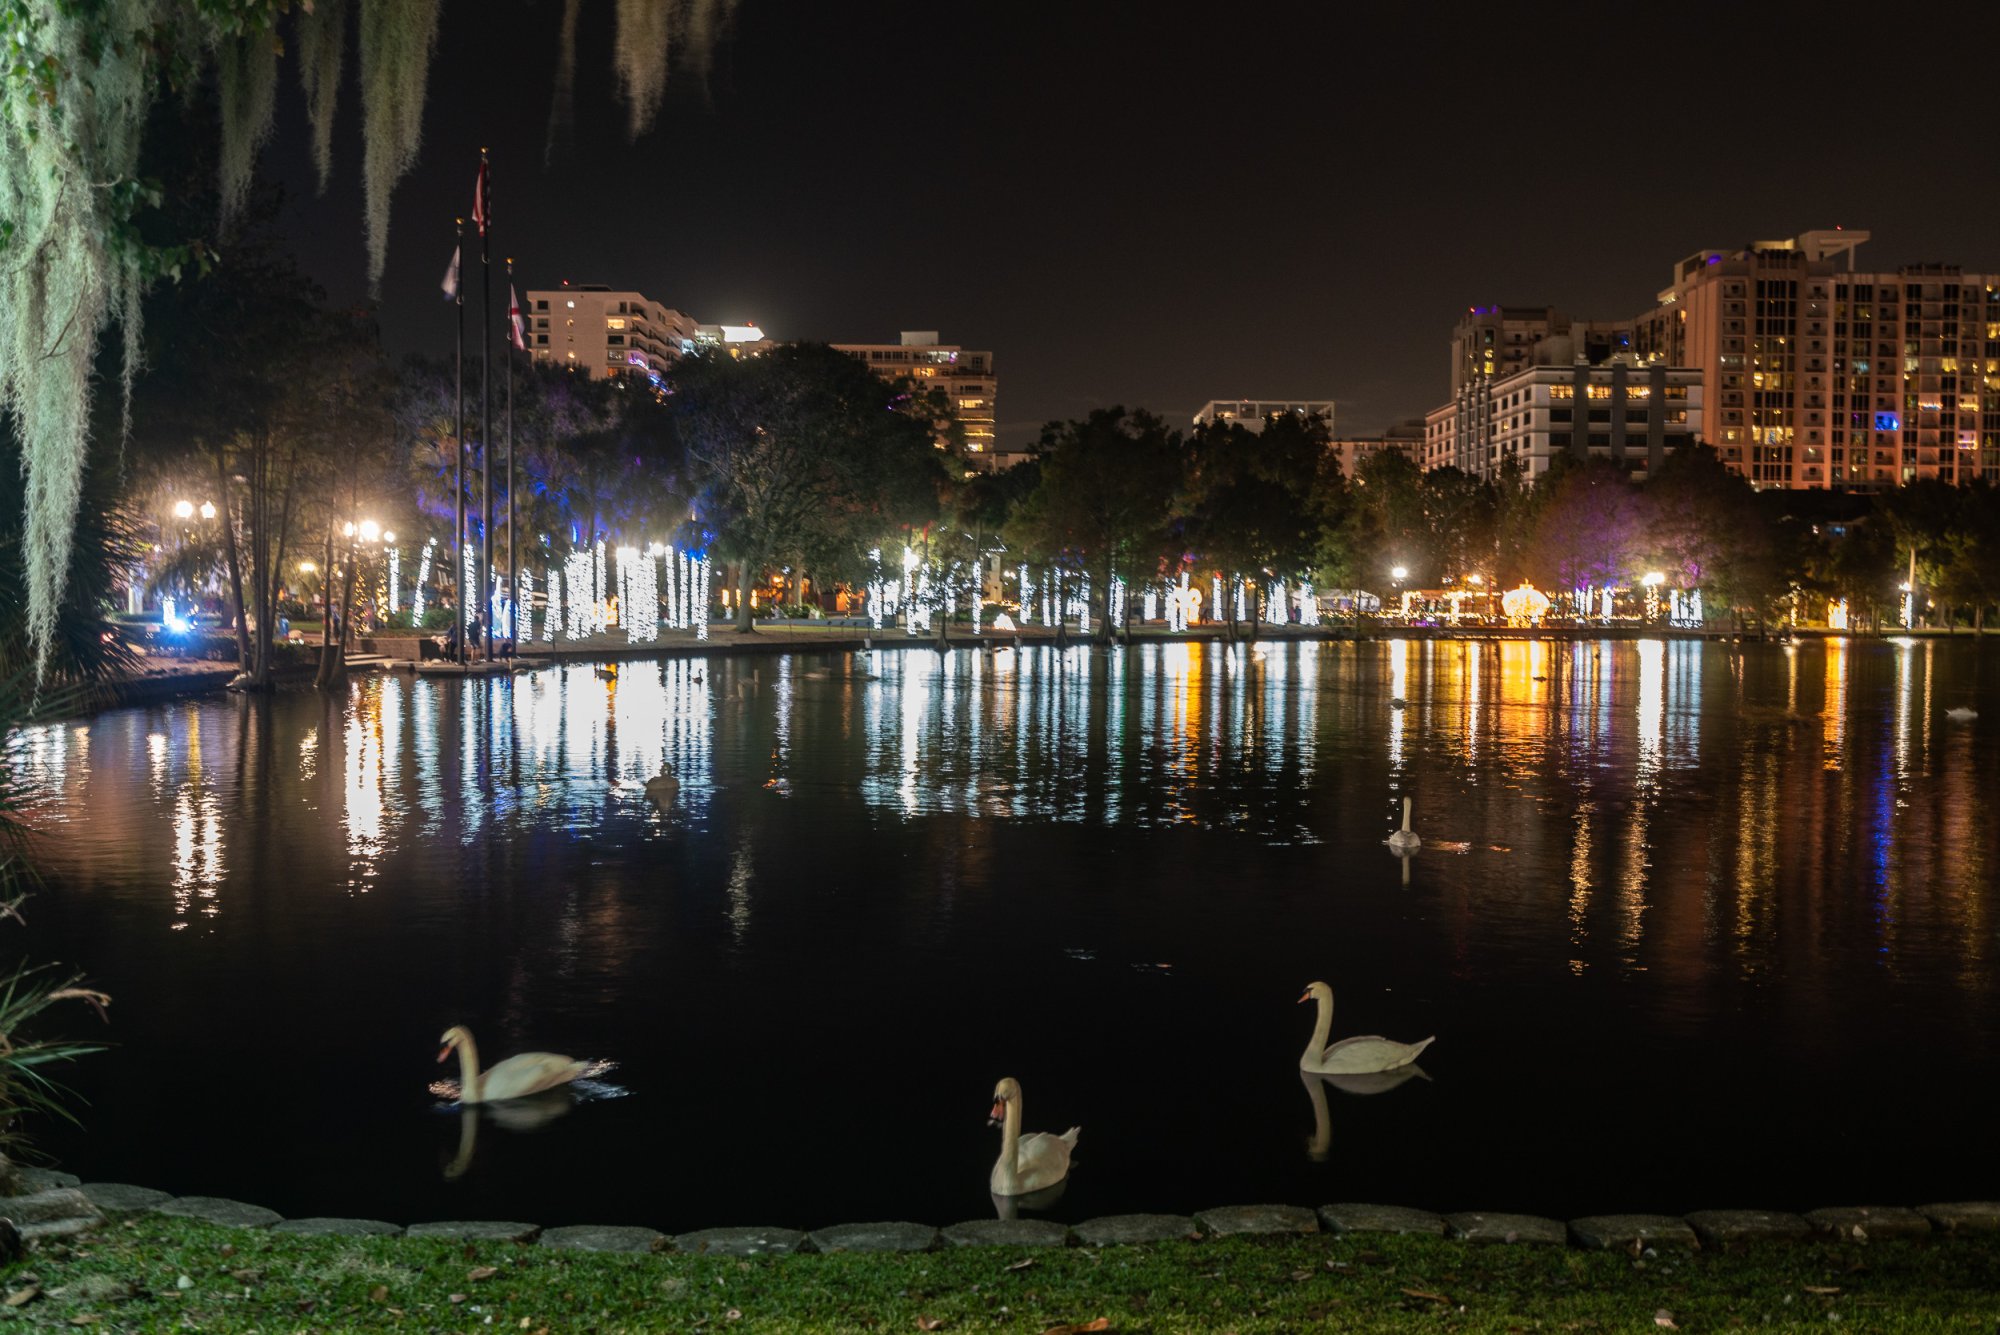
(520, 1116)
(1320, 1143)
(1010, 1207)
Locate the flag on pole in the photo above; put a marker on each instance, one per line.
(450, 283)
(514, 318)
(479, 199)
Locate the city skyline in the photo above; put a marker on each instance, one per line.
(1127, 216)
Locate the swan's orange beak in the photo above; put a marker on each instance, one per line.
(998, 1115)
(1304, 997)
(444, 1052)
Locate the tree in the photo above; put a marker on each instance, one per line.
(1101, 499)
(1591, 529)
(1385, 523)
(799, 455)
(1249, 498)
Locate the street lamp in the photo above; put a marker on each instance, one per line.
(208, 509)
(1399, 573)
(185, 510)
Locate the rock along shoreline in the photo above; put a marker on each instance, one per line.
(58, 1204)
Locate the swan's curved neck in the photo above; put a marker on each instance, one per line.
(468, 1070)
(1322, 1137)
(1010, 1140)
(1322, 1026)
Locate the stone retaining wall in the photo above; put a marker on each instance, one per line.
(60, 1204)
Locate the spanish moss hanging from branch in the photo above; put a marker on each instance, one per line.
(396, 41)
(247, 71)
(322, 52)
(644, 27)
(562, 108)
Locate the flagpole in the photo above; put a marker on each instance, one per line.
(485, 409)
(458, 448)
(513, 575)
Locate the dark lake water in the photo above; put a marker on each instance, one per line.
(1695, 925)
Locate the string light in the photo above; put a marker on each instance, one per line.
(978, 595)
(1308, 605)
(701, 602)
(1215, 598)
(552, 612)
(395, 578)
(423, 580)
(1151, 605)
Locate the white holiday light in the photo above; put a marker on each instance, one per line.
(1151, 605)
(1308, 606)
(701, 599)
(1836, 614)
(1081, 605)
(1027, 596)
(600, 591)
(1115, 612)
(1274, 602)
(978, 595)
(1242, 599)
(468, 591)
(423, 579)
(524, 608)
(1215, 598)
(395, 578)
(552, 610)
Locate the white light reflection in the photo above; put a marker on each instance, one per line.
(1399, 689)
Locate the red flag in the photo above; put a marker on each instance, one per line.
(514, 318)
(480, 203)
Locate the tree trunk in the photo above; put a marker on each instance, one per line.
(227, 515)
(744, 620)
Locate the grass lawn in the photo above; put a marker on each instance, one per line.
(154, 1274)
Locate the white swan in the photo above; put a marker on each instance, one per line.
(662, 788)
(1405, 841)
(1962, 714)
(526, 1073)
(1027, 1163)
(1351, 1056)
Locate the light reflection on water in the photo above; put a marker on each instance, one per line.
(1684, 858)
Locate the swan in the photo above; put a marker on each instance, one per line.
(606, 671)
(1027, 1163)
(1962, 714)
(1405, 841)
(1351, 1056)
(1398, 702)
(662, 788)
(525, 1073)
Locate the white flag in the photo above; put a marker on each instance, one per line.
(450, 283)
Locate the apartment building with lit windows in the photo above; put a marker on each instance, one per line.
(1823, 376)
(966, 377)
(594, 330)
(1621, 410)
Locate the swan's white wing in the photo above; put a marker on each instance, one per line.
(528, 1073)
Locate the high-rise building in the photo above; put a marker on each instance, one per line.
(1822, 376)
(1492, 342)
(599, 332)
(1252, 412)
(1627, 412)
(966, 377)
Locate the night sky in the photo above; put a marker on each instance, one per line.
(1130, 208)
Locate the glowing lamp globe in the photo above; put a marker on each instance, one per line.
(185, 510)
(370, 530)
(208, 509)
(1524, 606)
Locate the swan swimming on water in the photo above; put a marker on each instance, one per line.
(1027, 1163)
(525, 1073)
(1405, 841)
(1351, 1056)
(1961, 714)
